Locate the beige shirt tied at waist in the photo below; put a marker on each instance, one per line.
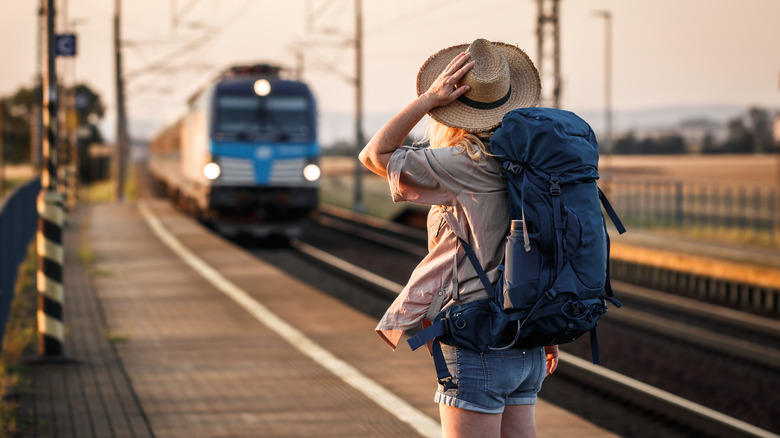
(468, 200)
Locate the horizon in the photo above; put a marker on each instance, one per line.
(657, 118)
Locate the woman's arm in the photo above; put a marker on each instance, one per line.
(390, 137)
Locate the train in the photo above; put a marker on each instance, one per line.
(244, 157)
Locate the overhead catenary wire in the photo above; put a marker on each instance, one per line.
(147, 77)
(192, 46)
(324, 15)
(178, 15)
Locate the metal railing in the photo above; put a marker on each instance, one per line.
(743, 209)
(18, 224)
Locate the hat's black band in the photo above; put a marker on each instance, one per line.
(485, 105)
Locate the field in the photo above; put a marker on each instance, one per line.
(738, 169)
(690, 168)
(751, 170)
(732, 196)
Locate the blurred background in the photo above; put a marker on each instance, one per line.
(689, 68)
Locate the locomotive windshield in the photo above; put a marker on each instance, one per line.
(250, 116)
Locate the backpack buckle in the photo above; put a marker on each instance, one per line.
(447, 384)
(555, 187)
(512, 167)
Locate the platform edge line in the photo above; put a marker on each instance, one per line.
(396, 406)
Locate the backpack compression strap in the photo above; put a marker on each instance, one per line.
(611, 212)
(554, 188)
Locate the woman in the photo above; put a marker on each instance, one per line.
(466, 90)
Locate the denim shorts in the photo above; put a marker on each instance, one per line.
(489, 381)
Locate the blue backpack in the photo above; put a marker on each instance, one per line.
(555, 284)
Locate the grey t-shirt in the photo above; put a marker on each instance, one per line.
(468, 200)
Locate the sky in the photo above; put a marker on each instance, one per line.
(665, 53)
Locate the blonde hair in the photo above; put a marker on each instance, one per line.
(475, 146)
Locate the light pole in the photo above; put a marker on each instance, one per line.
(607, 15)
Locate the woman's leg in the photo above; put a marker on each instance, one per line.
(460, 423)
(518, 422)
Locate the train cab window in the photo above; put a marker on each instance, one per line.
(251, 116)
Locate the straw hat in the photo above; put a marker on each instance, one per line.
(503, 78)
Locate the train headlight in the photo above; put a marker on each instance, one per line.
(211, 171)
(262, 87)
(312, 172)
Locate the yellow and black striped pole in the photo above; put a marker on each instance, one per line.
(51, 255)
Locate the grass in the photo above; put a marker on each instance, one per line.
(105, 191)
(21, 332)
(117, 338)
(98, 192)
(20, 335)
(339, 190)
(86, 255)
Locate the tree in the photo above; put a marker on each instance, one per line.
(761, 127)
(739, 139)
(709, 145)
(666, 144)
(17, 135)
(626, 145)
(669, 144)
(20, 107)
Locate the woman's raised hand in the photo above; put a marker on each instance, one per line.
(445, 88)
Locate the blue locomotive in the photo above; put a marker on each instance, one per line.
(244, 157)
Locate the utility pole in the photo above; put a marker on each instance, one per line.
(73, 123)
(121, 119)
(356, 80)
(607, 78)
(36, 155)
(359, 142)
(606, 162)
(547, 25)
(51, 293)
(299, 64)
(62, 125)
(65, 179)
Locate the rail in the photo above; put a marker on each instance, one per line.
(18, 223)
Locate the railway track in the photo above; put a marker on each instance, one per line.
(674, 366)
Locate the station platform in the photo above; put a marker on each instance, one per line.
(172, 331)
